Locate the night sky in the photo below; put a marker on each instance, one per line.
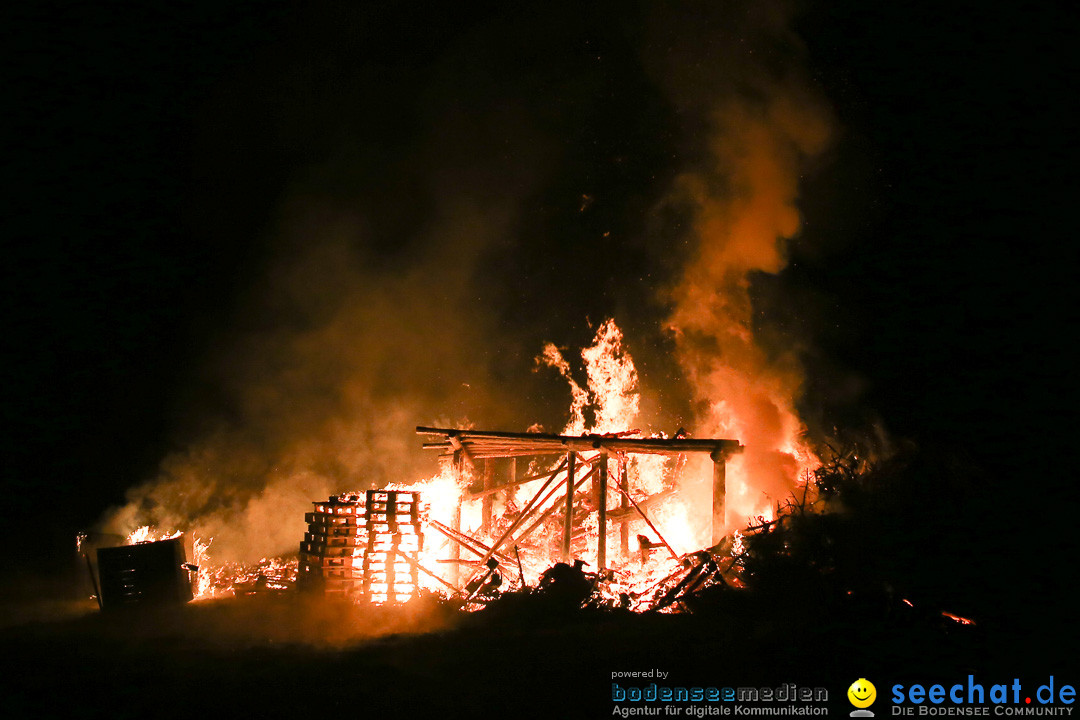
(162, 164)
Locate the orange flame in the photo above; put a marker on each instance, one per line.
(744, 390)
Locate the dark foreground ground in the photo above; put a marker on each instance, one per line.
(288, 656)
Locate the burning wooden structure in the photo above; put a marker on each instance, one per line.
(474, 453)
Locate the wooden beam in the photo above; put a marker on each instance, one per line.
(554, 507)
(455, 521)
(489, 499)
(719, 497)
(568, 522)
(653, 527)
(542, 443)
(461, 451)
(621, 515)
(601, 508)
(558, 469)
(512, 475)
(469, 543)
(624, 506)
(526, 511)
(521, 571)
(420, 567)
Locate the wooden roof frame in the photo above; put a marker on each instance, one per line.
(484, 444)
(469, 446)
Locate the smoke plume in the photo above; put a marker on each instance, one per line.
(418, 255)
(328, 402)
(763, 123)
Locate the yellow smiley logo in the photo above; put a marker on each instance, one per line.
(862, 693)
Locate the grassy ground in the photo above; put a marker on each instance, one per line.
(296, 657)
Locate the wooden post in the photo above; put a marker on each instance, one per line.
(719, 496)
(455, 523)
(488, 501)
(568, 522)
(511, 495)
(624, 505)
(600, 483)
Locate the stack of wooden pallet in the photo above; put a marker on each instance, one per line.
(393, 534)
(359, 545)
(332, 554)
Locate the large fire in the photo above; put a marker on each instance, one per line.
(655, 523)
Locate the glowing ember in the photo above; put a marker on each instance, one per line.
(231, 579)
(958, 619)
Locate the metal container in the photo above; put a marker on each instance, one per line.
(151, 573)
